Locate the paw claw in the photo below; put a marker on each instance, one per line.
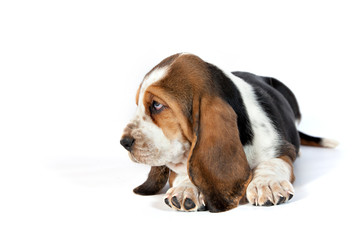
(185, 198)
(267, 191)
(202, 208)
(268, 203)
(281, 200)
(290, 196)
(166, 200)
(189, 204)
(175, 202)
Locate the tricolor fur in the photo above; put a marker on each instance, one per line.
(220, 138)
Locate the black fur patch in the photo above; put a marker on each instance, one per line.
(277, 107)
(229, 92)
(286, 92)
(310, 138)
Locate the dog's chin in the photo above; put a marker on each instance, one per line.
(145, 160)
(132, 157)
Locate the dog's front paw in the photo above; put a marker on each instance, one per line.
(266, 191)
(185, 198)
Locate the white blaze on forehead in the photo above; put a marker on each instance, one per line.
(153, 77)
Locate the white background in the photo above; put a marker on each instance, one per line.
(69, 71)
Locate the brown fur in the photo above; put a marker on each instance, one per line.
(156, 180)
(289, 161)
(289, 154)
(309, 143)
(167, 120)
(172, 178)
(217, 163)
(164, 63)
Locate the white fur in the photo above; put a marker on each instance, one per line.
(271, 180)
(163, 150)
(265, 138)
(276, 169)
(261, 154)
(168, 150)
(182, 179)
(179, 167)
(329, 143)
(182, 189)
(152, 78)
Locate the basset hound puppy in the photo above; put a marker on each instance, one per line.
(220, 138)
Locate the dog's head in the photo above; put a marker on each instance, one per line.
(181, 116)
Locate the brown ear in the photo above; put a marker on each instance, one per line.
(156, 180)
(217, 164)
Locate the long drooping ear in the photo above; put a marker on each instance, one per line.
(156, 180)
(217, 163)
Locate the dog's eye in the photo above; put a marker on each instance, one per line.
(157, 107)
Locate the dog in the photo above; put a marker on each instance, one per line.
(220, 138)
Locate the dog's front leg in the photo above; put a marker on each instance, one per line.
(271, 183)
(183, 194)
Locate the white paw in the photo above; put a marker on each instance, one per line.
(185, 198)
(268, 191)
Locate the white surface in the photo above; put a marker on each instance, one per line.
(69, 71)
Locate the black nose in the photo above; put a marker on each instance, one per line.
(127, 142)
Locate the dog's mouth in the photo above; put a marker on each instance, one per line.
(132, 157)
(146, 157)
